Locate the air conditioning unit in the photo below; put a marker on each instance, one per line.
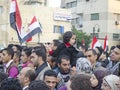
(117, 22)
(87, 0)
(79, 25)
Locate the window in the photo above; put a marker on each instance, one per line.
(78, 0)
(117, 16)
(58, 29)
(80, 22)
(95, 34)
(69, 5)
(95, 16)
(32, 2)
(116, 36)
(72, 4)
(1, 9)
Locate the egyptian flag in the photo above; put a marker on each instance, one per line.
(105, 44)
(15, 19)
(33, 28)
(30, 39)
(95, 43)
(83, 42)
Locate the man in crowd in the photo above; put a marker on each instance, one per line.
(115, 61)
(38, 57)
(10, 68)
(50, 78)
(26, 76)
(38, 85)
(93, 58)
(64, 68)
(10, 84)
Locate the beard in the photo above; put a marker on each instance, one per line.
(64, 72)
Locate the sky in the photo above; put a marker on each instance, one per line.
(54, 3)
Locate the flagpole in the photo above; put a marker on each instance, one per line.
(38, 38)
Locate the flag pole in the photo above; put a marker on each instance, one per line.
(38, 38)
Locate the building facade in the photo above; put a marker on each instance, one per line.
(96, 17)
(54, 21)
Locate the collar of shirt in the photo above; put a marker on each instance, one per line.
(25, 87)
(8, 64)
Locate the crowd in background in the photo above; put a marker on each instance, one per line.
(59, 66)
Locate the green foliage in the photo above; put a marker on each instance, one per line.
(80, 36)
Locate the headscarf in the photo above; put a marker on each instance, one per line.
(99, 74)
(83, 65)
(111, 80)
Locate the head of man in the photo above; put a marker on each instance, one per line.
(0, 56)
(115, 55)
(38, 57)
(38, 85)
(91, 55)
(83, 80)
(50, 78)
(26, 75)
(7, 55)
(25, 55)
(64, 64)
(10, 84)
(55, 43)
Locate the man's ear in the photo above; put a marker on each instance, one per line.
(26, 79)
(96, 57)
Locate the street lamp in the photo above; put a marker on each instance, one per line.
(96, 28)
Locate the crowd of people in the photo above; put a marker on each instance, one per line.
(59, 66)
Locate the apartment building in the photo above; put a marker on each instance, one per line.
(54, 21)
(96, 17)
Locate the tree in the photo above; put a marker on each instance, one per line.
(80, 36)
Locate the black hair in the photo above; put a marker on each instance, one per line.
(41, 53)
(56, 42)
(27, 51)
(67, 36)
(84, 47)
(3, 76)
(100, 52)
(118, 46)
(50, 73)
(106, 53)
(38, 85)
(93, 51)
(41, 46)
(83, 80)
(67, 58)
(112, 47)
(19, 48)
(10, 46)
(9, 51)
(11, 84)
(17, 53)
